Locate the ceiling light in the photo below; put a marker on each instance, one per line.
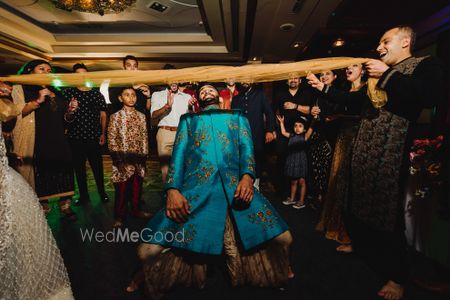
(100, 7)
(158, 7)
(297, 44)
(339, 42)
(287, 26)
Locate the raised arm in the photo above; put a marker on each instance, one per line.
(161, 107)
(354, 100)
(424, 88)
(311, 128)
(282, 128)
(34, 104)
(309, 133)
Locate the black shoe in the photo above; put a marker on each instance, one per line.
(81, 201)
(104, 198)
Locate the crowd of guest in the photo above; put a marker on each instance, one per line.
(323, 127)
(81, 123)
(313, 136)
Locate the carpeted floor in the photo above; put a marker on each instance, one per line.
(103, 270)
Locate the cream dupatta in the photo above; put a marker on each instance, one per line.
(23, 136)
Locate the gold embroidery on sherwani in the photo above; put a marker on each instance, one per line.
(244, 132)
(232, 179)
(232, 125)
(128, 144)
(201, 139)
(223, 139)
(180, 137)
(263, 217)
(251, 164)
(171, 173)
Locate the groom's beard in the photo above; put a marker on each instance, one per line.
(209, 101)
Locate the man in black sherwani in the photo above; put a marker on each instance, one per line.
(380, 155)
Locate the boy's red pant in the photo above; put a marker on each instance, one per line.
(132, 188)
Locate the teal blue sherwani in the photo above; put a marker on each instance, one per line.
(212, 151)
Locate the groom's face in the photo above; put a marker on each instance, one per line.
(208, 93)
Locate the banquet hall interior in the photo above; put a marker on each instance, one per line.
(178, 34)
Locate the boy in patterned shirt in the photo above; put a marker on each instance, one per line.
(128, 146)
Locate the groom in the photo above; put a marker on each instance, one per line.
(210, 198)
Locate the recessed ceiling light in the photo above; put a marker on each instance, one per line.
(158, 6)
(287, 26)
(339, 42)
(297, 44)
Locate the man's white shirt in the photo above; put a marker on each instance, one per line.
(180, 106)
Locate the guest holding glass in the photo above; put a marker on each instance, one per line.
(38, 138)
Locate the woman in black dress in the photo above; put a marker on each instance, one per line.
(320, 150)
(331, 221)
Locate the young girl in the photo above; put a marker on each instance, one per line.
(296, 167)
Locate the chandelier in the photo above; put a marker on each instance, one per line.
(100, 7)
